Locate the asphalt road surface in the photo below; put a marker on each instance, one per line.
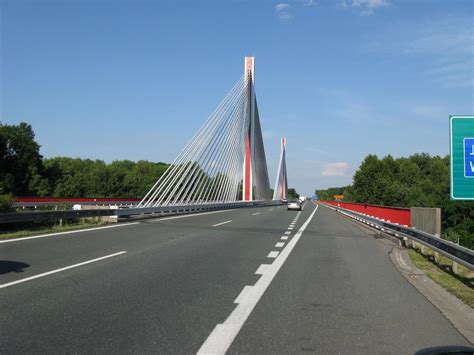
(252, 280)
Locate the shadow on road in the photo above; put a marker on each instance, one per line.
(7, 266)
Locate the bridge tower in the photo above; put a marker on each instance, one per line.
(225, 160)
(281, 182)
(255, 182)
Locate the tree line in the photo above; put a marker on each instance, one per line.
(24, 172)
(419, 180)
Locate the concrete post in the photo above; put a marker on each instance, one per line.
(427, 220)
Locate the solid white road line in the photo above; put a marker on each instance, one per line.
(59, 270)
(220, 224)
(273, 254)
(256, 214)
(242, 294)
(224, 334)
(262, 269)
(279, 245)
(285, 237)
(69, 232)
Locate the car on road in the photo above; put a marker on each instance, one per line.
(294, 205)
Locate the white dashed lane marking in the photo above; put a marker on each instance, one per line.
(222, 336)
(273, 254)
(220, 224)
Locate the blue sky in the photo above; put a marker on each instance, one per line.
(124, 79)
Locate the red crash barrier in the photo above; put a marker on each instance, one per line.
(391, 214)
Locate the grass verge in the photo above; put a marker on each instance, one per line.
(460, 285)
(37, 230)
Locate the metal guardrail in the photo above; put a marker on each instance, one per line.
(40, 204)
(453, 251)
(18, 217)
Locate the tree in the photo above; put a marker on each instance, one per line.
(292, 193)
(21, 165)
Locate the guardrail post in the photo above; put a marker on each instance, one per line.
(436, 254)
(455, 264)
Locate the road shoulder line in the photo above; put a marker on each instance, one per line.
(8, 284)
(457, 312)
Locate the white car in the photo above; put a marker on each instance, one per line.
(294, 205)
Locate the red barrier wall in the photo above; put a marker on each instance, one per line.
(393, 214)
(73, 200)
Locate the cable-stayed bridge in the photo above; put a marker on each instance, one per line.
(225, 160)
(228, 280)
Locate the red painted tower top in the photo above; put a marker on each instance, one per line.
(250, 68)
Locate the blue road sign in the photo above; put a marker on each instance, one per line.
(462, 157)
(469, 157)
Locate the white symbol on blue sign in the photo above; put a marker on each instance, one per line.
(469, 157)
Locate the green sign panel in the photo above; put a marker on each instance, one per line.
(461, 130)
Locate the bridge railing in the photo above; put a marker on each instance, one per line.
(398, 215)
(18, 217)
(453, 251)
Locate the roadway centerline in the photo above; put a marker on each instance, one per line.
(59, 270)
(224, 334)
(220, 224)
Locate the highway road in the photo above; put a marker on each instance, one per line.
(253, 280)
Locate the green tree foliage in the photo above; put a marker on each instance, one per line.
(6, 203)
(74, 177)
(292, 194)
(420, 180)
(21, 163)
(24, 172)
(328, 194)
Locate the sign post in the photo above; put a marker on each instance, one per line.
(461, 130)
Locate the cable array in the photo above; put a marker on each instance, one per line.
(209, 168)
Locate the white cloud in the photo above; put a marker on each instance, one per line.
(283, 11)
(281, 6)
(365, 7)
(335, 169)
